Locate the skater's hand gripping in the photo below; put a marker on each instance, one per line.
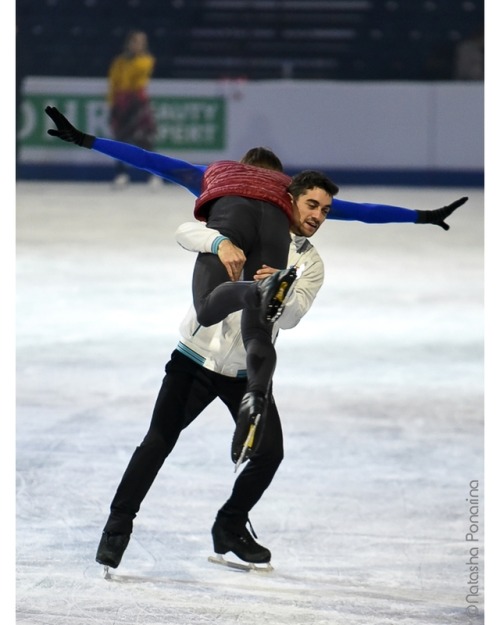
(232, 257)
(438, 216)
(66, 131)
(264, 272)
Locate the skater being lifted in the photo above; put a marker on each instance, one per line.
(253, 208)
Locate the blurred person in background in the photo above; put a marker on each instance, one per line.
(469, 57)
(131, 115)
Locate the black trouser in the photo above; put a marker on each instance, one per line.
(187, 389)
(261, 230)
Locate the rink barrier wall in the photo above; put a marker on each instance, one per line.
(390, 133)
(354, 177)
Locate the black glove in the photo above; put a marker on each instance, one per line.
(438, 216)
(66, 131)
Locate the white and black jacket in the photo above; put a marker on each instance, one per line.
(220, 347)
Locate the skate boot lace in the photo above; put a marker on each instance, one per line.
(252, 529)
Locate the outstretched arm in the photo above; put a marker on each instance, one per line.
(172, 169)
(382, 213)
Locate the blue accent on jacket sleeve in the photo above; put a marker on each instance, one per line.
(181, 172)
(217, 242)
(370, 213)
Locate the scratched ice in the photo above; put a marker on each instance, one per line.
(380, 390)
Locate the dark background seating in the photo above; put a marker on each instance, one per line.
(252, 39)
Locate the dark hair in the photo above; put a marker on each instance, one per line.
(262, 157)
(131, 34)
(309, 179)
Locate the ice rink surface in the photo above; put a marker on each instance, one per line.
(380, 391)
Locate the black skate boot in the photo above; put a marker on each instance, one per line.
(273, 291)
(230, 533)
(111, 549)
(248, 427)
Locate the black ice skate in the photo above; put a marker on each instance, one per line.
(111, 549)
(273, 291)
(231, 534)
(246, 434)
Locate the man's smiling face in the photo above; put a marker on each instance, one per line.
(310, 210)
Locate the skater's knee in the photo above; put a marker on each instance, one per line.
(205, 319)
(155, 443)
(204, 315)
(271, 457)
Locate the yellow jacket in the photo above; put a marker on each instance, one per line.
(129, 74)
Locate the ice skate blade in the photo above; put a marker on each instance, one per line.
(273, 316)
(248, 443)
(277, 303)
(105, 573)
(265, 567)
